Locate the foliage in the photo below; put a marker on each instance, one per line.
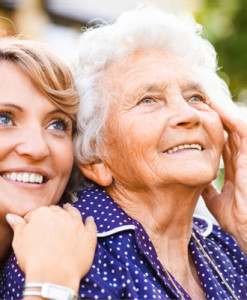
(225, 23)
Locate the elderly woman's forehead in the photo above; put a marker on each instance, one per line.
(133, 71)
(148, 55)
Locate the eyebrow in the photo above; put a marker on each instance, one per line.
(153, 87)
(11, 105)
(55, 111)
(160, 87)
(194, 86)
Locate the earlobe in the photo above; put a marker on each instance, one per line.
(98, 173)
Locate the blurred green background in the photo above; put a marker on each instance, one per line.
(225, 23)
(59, 22)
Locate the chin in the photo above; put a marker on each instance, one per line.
(21, 208)
(199, 178)
(21, 211)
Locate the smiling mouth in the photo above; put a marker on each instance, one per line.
(25, 177)
(184, 146)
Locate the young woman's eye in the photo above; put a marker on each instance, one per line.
(196, 99)
(61, 125)
(6, 118)
(147, 101)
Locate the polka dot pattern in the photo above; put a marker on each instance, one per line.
(126, 265)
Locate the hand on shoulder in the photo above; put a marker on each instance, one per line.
(53, 245)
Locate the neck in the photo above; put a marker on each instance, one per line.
(166, 215)
(6, 236)
(160, 211)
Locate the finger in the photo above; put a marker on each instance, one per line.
(74, 212)
(228, 190)
(209, 194)
(40, 210)
(228, 167)
(90, 224)
(15, 221)
(212, 198)
(234, 148)
(242, 161)
(91, 228)
(231, 123)
(55, 208)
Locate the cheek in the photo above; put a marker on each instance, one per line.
(217, 133)
(146, 129)
(69, 162)
(9, 144)
(136, 137)
(131, 139)
(64, 158)
(122, 146)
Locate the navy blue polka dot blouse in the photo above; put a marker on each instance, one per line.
(126, 265)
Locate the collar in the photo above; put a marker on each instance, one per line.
(202, 225)
(109, 217)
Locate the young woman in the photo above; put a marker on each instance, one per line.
(38, 105)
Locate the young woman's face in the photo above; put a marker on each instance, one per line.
(36, 154)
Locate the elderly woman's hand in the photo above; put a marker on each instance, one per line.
(53, 245)
(230, 206)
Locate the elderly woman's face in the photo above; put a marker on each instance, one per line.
(160, 130)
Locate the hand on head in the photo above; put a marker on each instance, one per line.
(53, 245)
(230, 205)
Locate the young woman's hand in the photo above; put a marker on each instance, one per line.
(53, 245)
(230, 205)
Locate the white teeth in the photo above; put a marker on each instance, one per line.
(24, 177)
(19, 177)
(32, 177)
(13, 176)
(40, 179)
(185, 146)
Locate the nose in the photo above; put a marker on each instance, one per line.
(32, 144)
(185, 116)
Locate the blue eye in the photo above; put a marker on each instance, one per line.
(195, 99)
(6, 118)
(60, 125)
(147, 101)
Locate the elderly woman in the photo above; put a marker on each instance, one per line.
(151, 136)
(149, 143)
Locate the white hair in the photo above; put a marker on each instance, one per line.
(140, 29)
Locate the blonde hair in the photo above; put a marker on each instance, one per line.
(48, 72)
(51, 77)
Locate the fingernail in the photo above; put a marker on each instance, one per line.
(90, 223)
(90, 219)
(67, 205)
(10, 219)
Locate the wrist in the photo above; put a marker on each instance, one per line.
(49, 291)
(54, 278)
